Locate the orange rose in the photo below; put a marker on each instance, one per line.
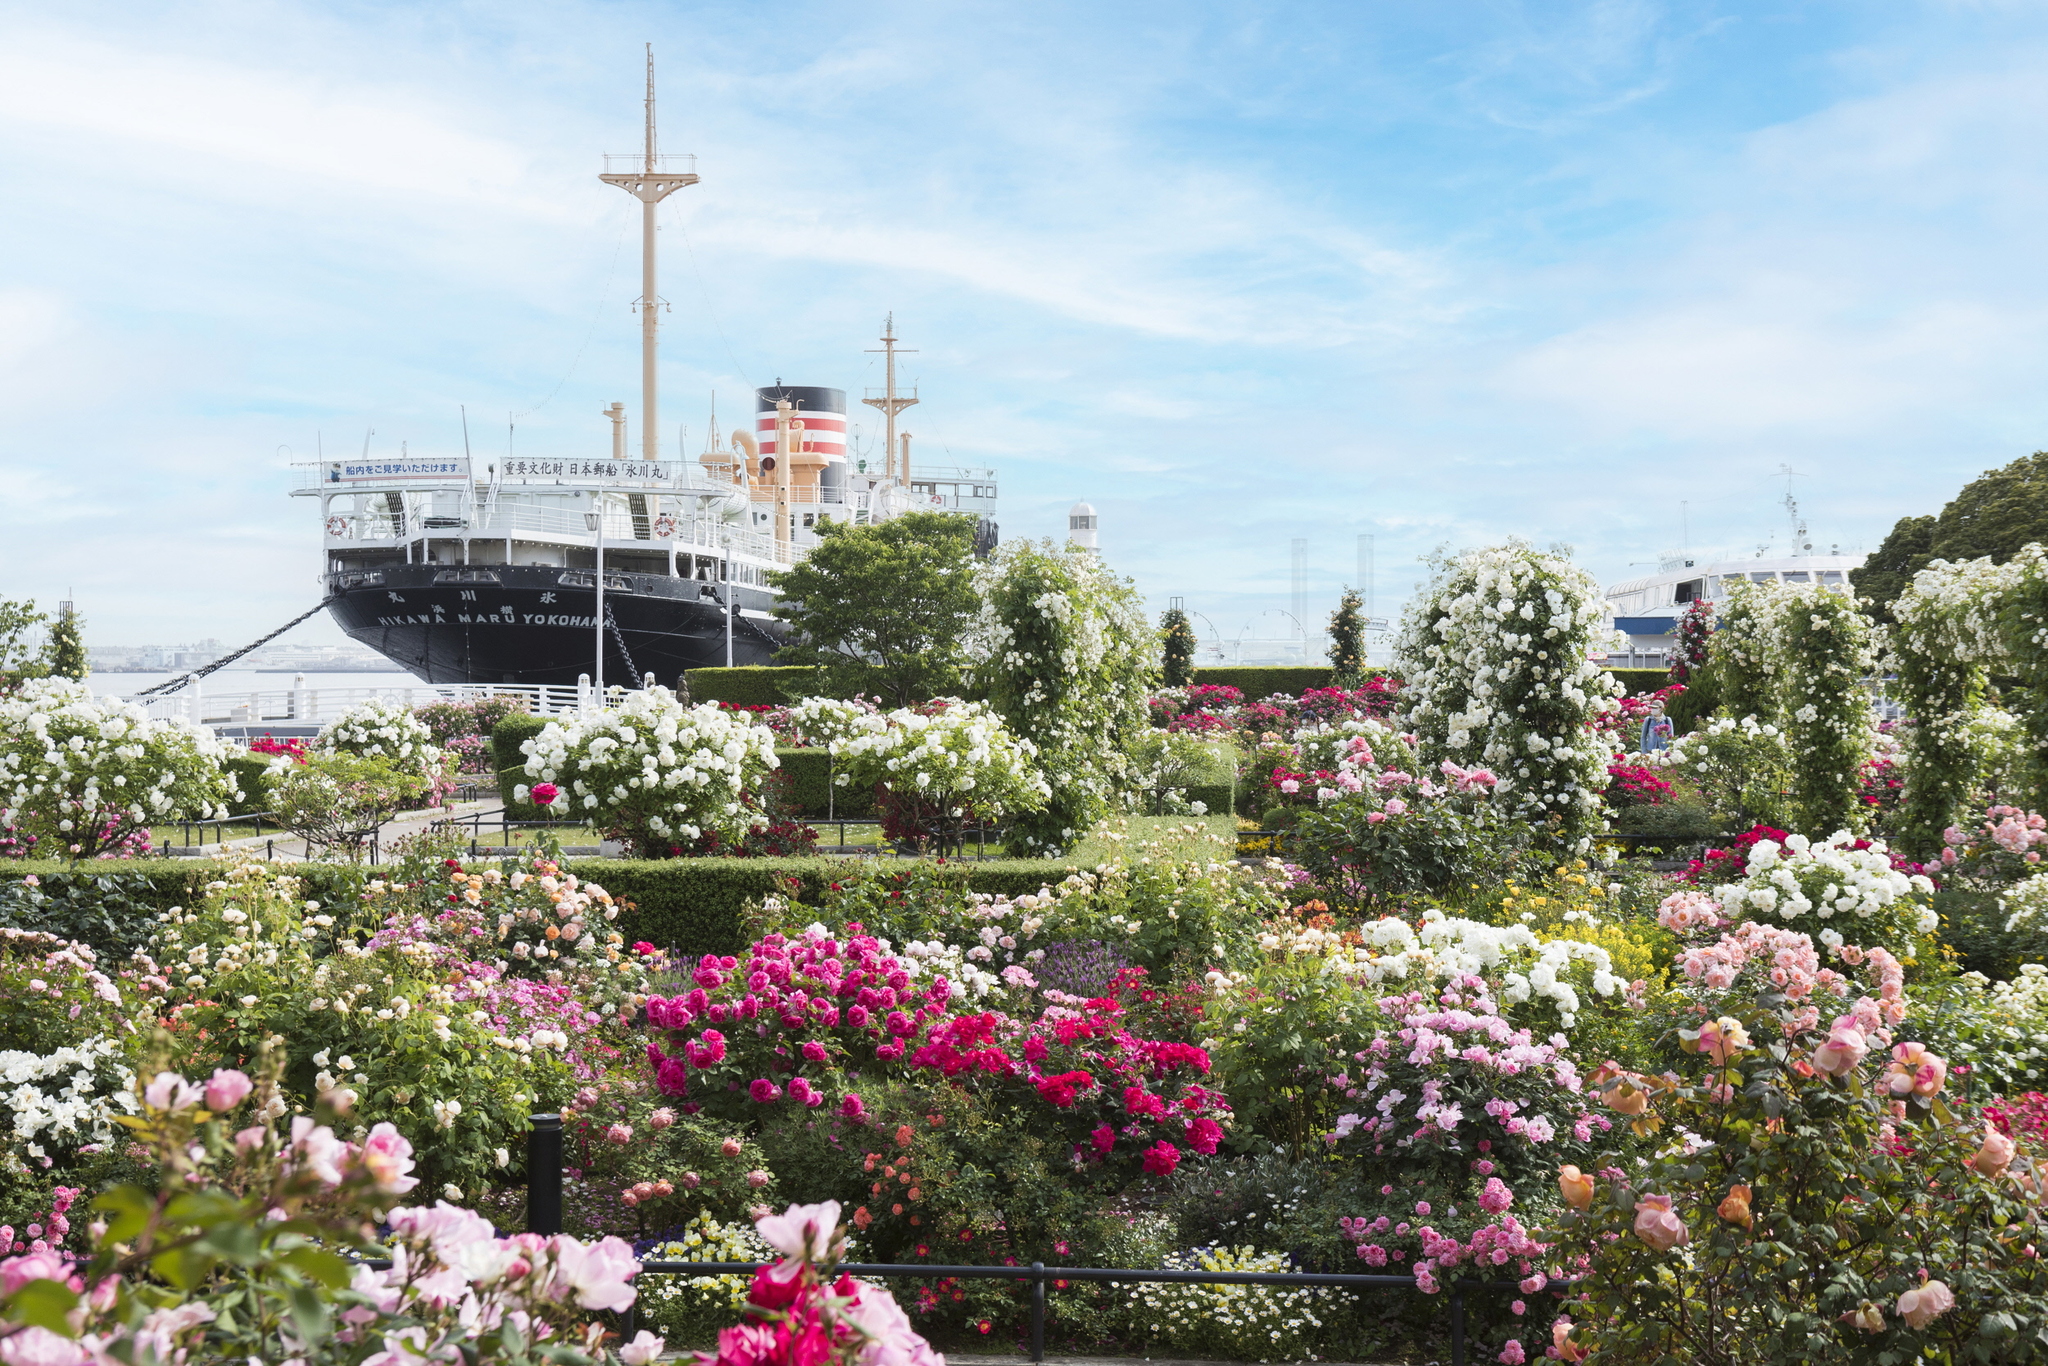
(1576, 1187)
(1735, 1209)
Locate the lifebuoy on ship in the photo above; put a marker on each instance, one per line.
(337, 526)
(665, 526)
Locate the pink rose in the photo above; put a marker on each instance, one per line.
(1658, 1225)
(661, 1119)
(544, 794)
(1844, 1049)
(1924, 1305)
(387, 1157)
(1915, 1071)
(227, 1090)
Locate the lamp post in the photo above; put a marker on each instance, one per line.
(731, 603)
(595, 521)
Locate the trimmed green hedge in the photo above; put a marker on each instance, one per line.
(756, 685)
(1260, 680)
(810, 774)
(1642, 682)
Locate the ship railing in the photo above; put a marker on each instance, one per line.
(700, 533)
(300, 708)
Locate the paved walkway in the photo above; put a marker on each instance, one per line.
(289, 849)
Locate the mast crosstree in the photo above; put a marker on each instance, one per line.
(654, 179)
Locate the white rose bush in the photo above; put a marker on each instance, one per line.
(1958, 624)
(652, 771)
(1834, 889)
(942, 765)
(87, 775)
(1064, 654)
(1495, 653)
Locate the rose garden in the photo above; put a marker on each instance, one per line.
(1724, 1053)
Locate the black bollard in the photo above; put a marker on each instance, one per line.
(544, 1176)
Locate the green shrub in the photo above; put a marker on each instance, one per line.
(247, 770)
(810, 779)
(1642, 682)
(755, 685)
(506, 738)
(113, 906)
(1262, 680)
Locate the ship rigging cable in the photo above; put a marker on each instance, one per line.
(202, 671)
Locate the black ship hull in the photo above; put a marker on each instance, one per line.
(535, 624)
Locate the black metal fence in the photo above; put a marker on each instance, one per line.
(544, 1216)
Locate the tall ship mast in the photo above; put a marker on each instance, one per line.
(616, 567)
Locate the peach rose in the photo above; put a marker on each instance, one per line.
(1626, 1098)
(1735, 1209)
(1722, 1039)
(1561, 1344)
(1995, 1155)
(1576, 1187)
(1866, 1316)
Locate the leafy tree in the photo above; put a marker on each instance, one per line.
(1996, 515)
(64, 655)
(1889, 571)
(19, 660)
(882, 609)
(1177, 645)
(1347, 641)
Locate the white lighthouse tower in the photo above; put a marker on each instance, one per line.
(1081, 526)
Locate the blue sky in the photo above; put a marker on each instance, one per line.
(1236, 274)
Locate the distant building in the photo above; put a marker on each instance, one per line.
(1081, 526)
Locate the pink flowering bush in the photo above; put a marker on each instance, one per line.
(234, 1251)
(797, 1025)
(2006, 846)
(1385, 827)
(1457, 1121)
(1813, 1194)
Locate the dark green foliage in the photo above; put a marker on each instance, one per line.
(1677, 821)
(1258, 681)
(1435, 849)
(882, 608)
(1996, 514)
(113, 905)
(810, 777)
(1347, 641)
(1641, 682)
(1890, 569)
(698, 906)
(757, 685)
(247, 770)
(1177, 648)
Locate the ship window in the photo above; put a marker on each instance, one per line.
(1830, 576)
(1795, 576)
(1713, 585)
(1764, 577)
(1690, 591)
